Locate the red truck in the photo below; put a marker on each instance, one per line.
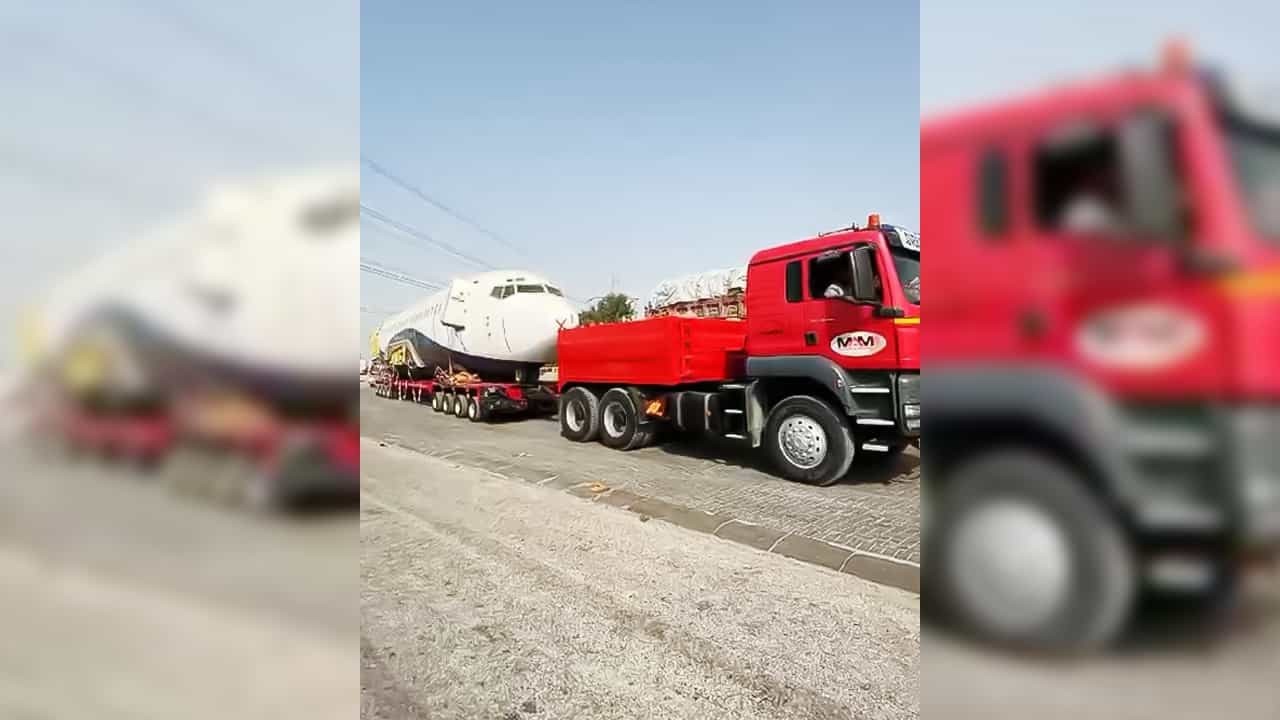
(825, 366)
(1103, 393)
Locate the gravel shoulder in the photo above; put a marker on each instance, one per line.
(485, 597)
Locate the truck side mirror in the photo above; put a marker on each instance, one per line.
(1147, 152)
(864, 275)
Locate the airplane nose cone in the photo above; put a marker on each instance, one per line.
(533, 339)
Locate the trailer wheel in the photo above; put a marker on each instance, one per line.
(263, 493)
(809, 441)
(476, 411)
(579, 415)
(435, 401)
(460, 401)
(1027, 556)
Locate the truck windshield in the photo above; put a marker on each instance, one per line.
(1255, 153)
(907, 263)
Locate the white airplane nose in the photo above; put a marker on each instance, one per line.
(533, 337)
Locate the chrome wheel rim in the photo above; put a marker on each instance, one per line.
(615, 419)
(803, 441)
(574, 416)
(1012, 564)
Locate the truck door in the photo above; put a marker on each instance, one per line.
(848, 333)
(1123, 308)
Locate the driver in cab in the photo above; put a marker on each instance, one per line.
(842, 283)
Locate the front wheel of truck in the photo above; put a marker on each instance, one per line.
(1024, 554)
(808, 441)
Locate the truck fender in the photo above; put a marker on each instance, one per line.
(1045, 399)
(811, 367)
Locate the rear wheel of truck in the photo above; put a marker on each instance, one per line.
(1028, 556)
(808, 441)
(620, 426)
(579, 415)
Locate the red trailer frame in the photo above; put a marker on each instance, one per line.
(477, 401)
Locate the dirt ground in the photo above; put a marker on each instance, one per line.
(485, 597)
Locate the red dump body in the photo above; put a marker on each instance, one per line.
(660, 351)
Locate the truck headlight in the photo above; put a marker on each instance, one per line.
(909, 400)
(1256, 431)
(911, 417)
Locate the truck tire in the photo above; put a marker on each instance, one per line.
(460, 405)
(808, 441)
(579, 415)
(620, 420)
(435, 401)
(1026, 555)
(476, 411)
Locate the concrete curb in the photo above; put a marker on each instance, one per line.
(880, 569)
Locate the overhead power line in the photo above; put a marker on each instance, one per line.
(374, 268)
(392, 268)
(422, 194)
(420, 235)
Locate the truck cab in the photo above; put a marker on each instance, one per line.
(1102, 387)
(842, 310)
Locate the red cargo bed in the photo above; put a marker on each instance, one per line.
(664, 351)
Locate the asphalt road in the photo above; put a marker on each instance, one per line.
(123, 600)
(1175, 667)
(875, 510)
(487, 597)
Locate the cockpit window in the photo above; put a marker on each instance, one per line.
(496, 292)
(326, 217)
(554, 290)
(530, 288)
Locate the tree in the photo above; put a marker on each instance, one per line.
(610, 308)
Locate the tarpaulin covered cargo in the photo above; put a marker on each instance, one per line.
(707, 285)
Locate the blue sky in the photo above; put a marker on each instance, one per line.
(986, 49)
(121, 113)
(618, 144)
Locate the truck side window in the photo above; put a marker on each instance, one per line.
(795, 292)
(993, 193)
(831, 276)
(1077, 181)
